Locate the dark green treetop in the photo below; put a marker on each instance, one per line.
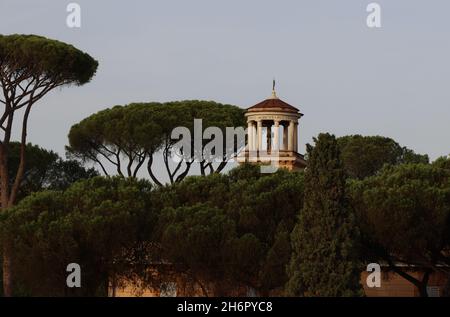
(46, 60)
(45, 170)
(404, 216)
(96, 223)
(325, 258)
(260, 211)
(364, 156)
(127, 137)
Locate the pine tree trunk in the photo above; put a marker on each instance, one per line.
(423, 290)
(424, 283)
(4, 194)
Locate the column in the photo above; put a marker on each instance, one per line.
(296, 137)
(285, 137)
(259, 132)
(276, 136)
(250, 136)
(255, 136)
(291, 136)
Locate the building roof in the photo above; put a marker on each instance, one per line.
(273, 104)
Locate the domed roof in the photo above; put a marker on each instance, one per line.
(273, 104)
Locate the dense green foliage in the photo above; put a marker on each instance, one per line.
(442, 162)
(239, 229)
(325, 240)
(95, 223)
(364, 156)
(404, 215)
(30, 67)
(127, 136)
(45, 170)
(36, 55)
(225, 227)
(216, 228)
(294, 233)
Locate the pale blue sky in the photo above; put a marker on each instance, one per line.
(345, 77)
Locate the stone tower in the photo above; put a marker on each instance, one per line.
(272, 134)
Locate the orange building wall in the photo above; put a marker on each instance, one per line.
(392, 285)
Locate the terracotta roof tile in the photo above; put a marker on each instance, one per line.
(273, 104)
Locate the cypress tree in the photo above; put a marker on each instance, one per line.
(324, 242)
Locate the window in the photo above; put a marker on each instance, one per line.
(433, 291)
(168, 290)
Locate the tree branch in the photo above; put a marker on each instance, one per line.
(150, 171)
(21, 168)
(141, 161)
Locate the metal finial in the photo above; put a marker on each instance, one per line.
(274, 93)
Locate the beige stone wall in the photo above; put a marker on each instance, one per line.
(392, 285)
